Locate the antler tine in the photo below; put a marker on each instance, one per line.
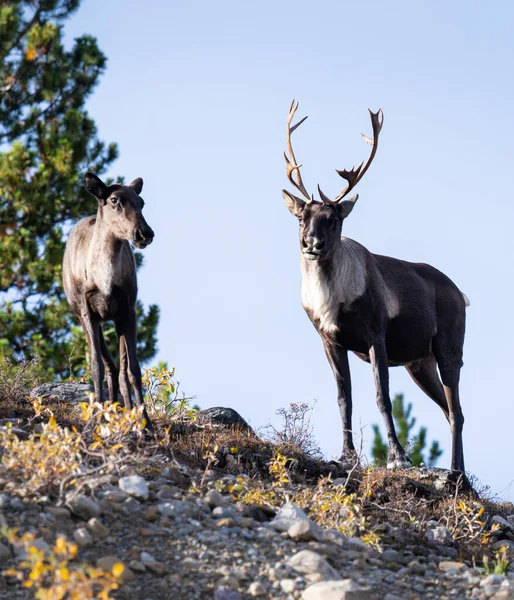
(292, 168)
(354, 175)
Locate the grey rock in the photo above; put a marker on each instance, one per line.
(289, 515)
(84, 507)
(226, 417)
(213, 498)
(130, 507)
(135, 486)
(179, 508)
(301, 531)
(307, 561)
(491, 584)
(223, 512)
(58, 512)
(337, 590)
(97, 528)
(70, 392)
(224, 593)
(504, 524)
(17, 505)
(83, 537)
(355, 543)
(5, 552)
(20, 433)
(507, 543)
(439, 536)
(107, 563)
(394, 556)
(137, 565)
(453, 567)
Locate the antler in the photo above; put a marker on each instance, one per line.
(292, 168)
(356, 174)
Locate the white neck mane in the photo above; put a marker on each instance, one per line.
(323, 297)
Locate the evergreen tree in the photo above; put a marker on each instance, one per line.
(47, 143)
(416, 444)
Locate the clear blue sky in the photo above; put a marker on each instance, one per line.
(196, 95)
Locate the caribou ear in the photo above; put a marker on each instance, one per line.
(346, 207)
(95, 186)
(294, 204)
(137, 185)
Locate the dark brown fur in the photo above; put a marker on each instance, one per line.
(389, 312)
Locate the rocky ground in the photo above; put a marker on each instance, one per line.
(180, 532)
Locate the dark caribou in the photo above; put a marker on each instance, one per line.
(389, 312)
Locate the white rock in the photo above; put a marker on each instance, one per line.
(309, 562)
(257, 589)
(290, 515)
(337, 590)
(135, 486)
(288, 586)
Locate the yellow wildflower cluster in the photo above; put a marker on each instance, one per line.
(51, 458)
(52, 574)
(327, 505)
(162, 393)
(42, 460)
(110, 424)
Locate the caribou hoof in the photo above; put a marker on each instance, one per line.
(349, 461)
(398, 461)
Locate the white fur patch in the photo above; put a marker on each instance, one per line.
(391, 302)
(323, 297)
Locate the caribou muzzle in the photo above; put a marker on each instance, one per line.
(313, 247)
(142, 237)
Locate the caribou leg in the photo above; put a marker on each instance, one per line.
(123, 376)
(128, 338)
(338, 359)
(110, 369)
(92, 329)
(397, 457)
(424, 373)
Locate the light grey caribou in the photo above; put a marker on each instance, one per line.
(99, 276)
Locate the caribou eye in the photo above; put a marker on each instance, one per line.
(114, 200)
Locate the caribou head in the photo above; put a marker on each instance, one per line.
(121, 209)
(321, 222)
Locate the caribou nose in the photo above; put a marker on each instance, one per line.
(313, 243)
(143, 235)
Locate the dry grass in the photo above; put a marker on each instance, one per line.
(379, 501)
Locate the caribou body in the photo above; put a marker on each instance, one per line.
(389, 312)
(99, 277)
